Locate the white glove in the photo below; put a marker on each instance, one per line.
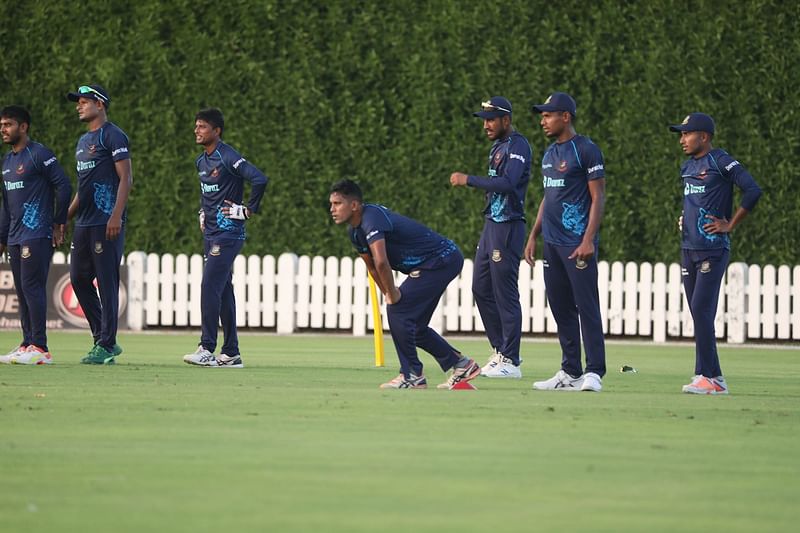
(237, 212)
(201, 216)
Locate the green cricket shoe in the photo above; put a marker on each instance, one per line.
(116, 350)
(100, 356)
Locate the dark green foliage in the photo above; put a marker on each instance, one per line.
(382, 92)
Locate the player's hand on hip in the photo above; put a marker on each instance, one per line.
(235, 211)
(530, 250)
(458, 178)
(717, 225)
(58, 234)
(583, 252)
(113, 227)
(393, 296)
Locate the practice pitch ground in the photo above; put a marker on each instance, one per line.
(303, 440)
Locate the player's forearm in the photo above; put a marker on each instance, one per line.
(738, 216)
(595, 218)
(537, 225)
(123, 191)
(73, 207)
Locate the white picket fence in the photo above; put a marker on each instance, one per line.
(291, 293)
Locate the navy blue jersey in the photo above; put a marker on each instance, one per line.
(32, 181)
(409, 244)
(222, 174)
(567, 169)
(708, 190)
(507, 183)
(98, 181)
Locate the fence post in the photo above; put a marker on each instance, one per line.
(735, 312)
(287, 268)
(136, 268)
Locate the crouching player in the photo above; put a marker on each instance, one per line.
(387, 241)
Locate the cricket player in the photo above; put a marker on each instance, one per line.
(495, 282)
(105, 178)
(36, 193)
(708, 179)
(222, 172)
(387, 241)
(569, 217)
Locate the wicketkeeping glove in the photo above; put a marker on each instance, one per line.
(237, 212)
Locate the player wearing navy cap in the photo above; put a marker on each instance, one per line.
(708, 179)
(36, 194)
(569, 217)
(222, 172)
(387, 241)
(495, 282)
(105, 178)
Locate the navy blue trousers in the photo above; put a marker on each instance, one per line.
(30, 264)
(217, 302)
(495, 284)
(702, 272)
(575, 303)
(94, 257)
(409, 318)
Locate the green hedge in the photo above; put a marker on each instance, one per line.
(382, 92)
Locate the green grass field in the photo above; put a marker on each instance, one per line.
(302, 440)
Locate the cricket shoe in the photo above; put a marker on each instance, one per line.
(494, 359)
(230, 361)
(32, 355)
(465, 373)
(504, 368)
(201, 357)
(99, 356)
(704, 385)
(592, 382)
(116, 350)
(401, 382)
(7, 359)
(561, 382)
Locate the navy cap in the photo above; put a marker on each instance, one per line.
(695, 122)
(92, 92)
(496, 106)
(557, 102)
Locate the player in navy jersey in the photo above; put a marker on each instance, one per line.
(36, 194)
(222, 173)
(708, 179)
(573, 176)
(495, 281)
(387, 241)
(105, 178)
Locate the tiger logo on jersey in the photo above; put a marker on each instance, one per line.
(104, 198)
(32, 218)
(573, 218)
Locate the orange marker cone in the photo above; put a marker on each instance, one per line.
(463, 385)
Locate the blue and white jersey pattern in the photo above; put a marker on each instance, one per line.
(36, 194)
(567, 169)
(98, 181)
(409, 244)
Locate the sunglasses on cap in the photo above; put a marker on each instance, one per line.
(488, 106)
(85, 89)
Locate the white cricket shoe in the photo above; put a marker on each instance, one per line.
(494, 359)
(8, 358)
(230, 361)
(561, 381)
(592, 382)
(503, 369)
(201, 357)
(32, 355)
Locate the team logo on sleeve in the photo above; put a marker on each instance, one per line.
(215, 250)
(25, 252)
(562, 167)
(496, 256)
(98, 247)
(21, 169)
